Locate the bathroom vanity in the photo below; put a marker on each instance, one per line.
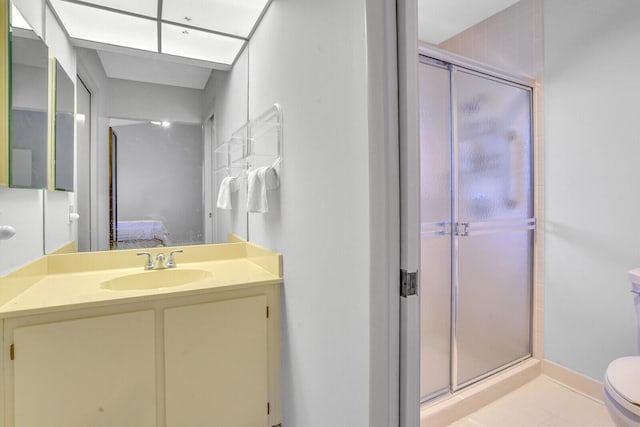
(94, 339)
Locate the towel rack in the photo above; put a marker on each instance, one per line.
(231, 152)
(256, 143)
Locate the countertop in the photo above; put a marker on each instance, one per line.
(68, 281)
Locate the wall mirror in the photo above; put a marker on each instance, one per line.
(28, 141)
(147, 130)
(64, 130)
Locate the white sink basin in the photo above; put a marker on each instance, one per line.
(156, 279)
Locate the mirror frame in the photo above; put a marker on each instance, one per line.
(40, 152)
(56, 68)
(5, 95)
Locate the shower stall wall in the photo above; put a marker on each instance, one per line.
(476, 214)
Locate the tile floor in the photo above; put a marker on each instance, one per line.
(540, 403)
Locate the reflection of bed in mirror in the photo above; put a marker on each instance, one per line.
(141, 234)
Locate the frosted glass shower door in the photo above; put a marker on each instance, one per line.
(435, 228)
(493, 229)
(435, 224)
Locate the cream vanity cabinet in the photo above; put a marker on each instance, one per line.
(201, 360)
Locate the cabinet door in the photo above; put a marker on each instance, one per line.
(88, 372)
(216, 364)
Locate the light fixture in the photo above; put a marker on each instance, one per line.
(166, 124)
(103, 26)
(155, 123)
(217, 30)
(140, 7)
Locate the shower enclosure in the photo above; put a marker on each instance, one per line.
(476, 218)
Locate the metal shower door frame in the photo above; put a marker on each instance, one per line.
(431, 55)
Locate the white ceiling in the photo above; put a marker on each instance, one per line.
(439, 20)
(153, 70)
(212, 32)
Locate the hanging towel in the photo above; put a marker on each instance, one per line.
(259, 181)
(228, 185)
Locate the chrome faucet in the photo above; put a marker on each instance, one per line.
(171, 263)
(160, 263)
(149, 265)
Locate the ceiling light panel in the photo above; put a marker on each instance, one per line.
(236, 17)
(17, 20)
(141, 7)
(190, 43)
(102, 26)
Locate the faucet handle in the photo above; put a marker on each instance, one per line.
(171, 263)
(149, 265)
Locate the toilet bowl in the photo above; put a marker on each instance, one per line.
(622, 391)
(622, 379)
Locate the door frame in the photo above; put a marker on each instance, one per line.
(408, 51)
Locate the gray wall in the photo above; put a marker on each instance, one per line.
(160, 177)
(592, 204)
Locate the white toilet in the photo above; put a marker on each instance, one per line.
(622, 379)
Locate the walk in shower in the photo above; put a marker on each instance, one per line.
(476, 213)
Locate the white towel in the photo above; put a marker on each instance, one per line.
(260, 180)
(228, 185)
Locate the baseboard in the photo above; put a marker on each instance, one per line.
(455, 407)
(573, 380)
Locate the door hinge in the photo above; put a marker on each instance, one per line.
(12, 352)
(408, 283)
(268, 408)
(267, 312)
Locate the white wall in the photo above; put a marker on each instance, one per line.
(148, 101)
(21, 209)
(59, 230)
(592, 150)
(160, 178)
(310, 57)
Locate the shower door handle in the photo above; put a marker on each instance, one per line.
(435, 228)
(464, 229)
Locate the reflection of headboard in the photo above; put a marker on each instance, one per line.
(141, 234)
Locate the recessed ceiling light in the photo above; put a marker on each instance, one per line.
(236, 17)
(166, 124)
(199, 44)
